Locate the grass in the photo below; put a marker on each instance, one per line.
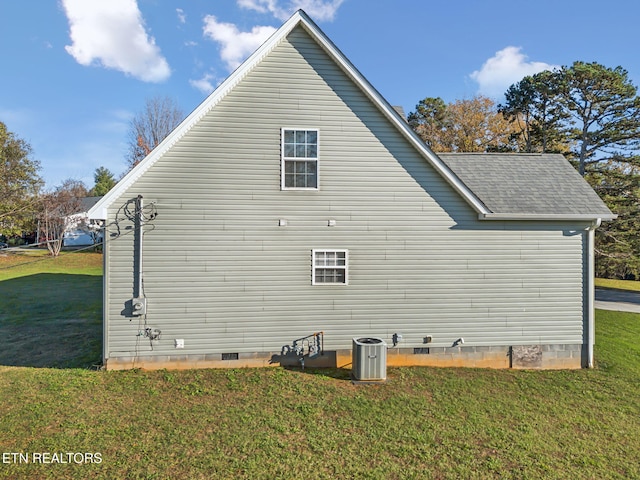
(32, 262)
(51, 310)
(618, 284)
(277, 423)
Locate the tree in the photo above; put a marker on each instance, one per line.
(478, 127)
(472, 125)
(605, 112)
(159, 117)
(104, 181)
(593, 113)
(58, 213)
(533, 107)
(617, 246)
(431, 122)
(19, 183)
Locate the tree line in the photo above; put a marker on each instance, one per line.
(29, 211)
(586, 111)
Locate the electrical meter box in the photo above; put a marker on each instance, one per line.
(138, 306)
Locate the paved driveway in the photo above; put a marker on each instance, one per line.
(620, 300)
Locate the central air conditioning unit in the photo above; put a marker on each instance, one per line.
(369, 359)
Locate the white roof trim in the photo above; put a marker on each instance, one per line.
(99, 210)
(541, 216)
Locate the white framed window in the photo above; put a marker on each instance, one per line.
(330, 267)
(300, 158)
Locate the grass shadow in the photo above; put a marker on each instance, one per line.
(51, 320)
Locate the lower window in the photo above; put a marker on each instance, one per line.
(330, 267)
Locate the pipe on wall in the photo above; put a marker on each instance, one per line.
(590, 286)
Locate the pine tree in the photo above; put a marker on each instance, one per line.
(104, 181)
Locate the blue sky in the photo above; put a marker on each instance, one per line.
(74, 72)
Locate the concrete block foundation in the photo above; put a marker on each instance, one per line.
(539, 357)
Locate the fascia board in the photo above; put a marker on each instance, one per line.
(542, 217)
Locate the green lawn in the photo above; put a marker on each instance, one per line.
(618, 284)
(277, 423)
(39, 261)
(51, 309)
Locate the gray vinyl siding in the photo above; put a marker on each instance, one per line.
(220, 273)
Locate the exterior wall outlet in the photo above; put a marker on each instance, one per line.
(179, 342)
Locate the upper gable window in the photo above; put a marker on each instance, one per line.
(299, 159)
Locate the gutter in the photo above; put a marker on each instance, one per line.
(553, 217)
(591, 290)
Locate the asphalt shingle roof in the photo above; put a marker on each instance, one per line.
(526, 184)
(87, 202)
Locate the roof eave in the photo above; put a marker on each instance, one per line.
(566, 217)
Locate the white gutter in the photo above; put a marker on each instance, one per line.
(105, 297)
(590, 290)
(542, 216)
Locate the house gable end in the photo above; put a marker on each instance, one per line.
(363, 159)
(299, 19)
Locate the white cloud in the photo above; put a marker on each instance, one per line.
(205, 84)
(112, 34)
(262, 6)
(182, 17)
(235, 46)
(320, 10)
(505, 68)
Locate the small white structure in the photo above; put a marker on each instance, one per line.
(79, 229)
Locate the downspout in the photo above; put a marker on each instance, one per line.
(590, 286)
(105, 296)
